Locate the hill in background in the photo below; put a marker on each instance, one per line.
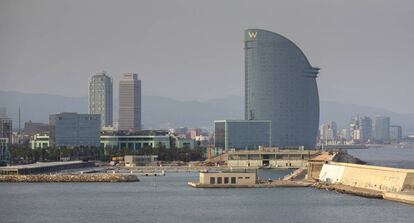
(163, 112)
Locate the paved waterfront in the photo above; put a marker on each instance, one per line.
(169, 199)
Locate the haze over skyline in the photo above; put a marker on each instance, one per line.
(193, 50)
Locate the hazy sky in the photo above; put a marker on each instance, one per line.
(193, 50)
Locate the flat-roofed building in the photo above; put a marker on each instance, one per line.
(242, 134)
(129, 102)
(271, 157)
(75, 130)
(44, 167)
(4, 150)
(135, 142)
(140, 160)
(225, 179)
(39, 141)
(180, 142)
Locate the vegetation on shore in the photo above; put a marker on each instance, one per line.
(24, 154)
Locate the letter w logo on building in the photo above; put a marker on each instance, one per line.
(252, 35)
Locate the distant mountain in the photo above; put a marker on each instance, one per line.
(165, 112)
(158, 112)
(37, 107)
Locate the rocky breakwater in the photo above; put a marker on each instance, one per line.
(63, 178)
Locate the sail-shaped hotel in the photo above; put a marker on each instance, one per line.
(280, 86)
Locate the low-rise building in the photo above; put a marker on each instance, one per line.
(179, 142)
(242, 134)
(135, 142)
(226, 179)
(39, 141)
(139, 160)
(44, 167)
(75, 130)
(131, 142)
(271, 157)
(316, 163)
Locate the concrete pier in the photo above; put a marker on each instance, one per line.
(407, 198)
(60, 178)
(273, 184)
(44, 167)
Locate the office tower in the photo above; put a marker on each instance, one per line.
(382, 129)
(365, 129)
(280, 86)
(100, 98)
(242, 134)
(129, 102)
(6, 126)
(4, 150)
(75, 130)
(328, 131)
(395, 133)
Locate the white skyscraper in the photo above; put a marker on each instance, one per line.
(100, 98)
(129, 102)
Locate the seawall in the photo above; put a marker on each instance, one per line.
(368, 181)
(377, 178)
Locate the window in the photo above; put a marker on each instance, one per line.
(219, 180)
(240, 177)
(233, 180)
(226, 180)
(212, 180)
(247, 178)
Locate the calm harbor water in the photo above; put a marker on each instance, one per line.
(390, 156)
(169, 199)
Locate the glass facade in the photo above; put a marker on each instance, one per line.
(75, 130)
(382, 129)
(280, 86)
(135, 142)
(242, 134)
(219, 134)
